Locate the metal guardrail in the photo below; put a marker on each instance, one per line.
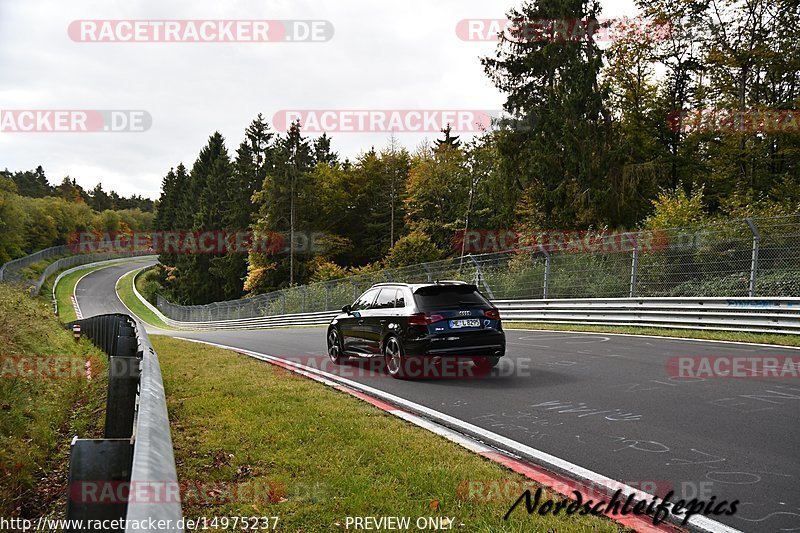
(11, 272)
(137, 444)
(77, 260)
(69, 271)
(757, 315)
(734, 258)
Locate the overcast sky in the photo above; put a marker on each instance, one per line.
(385, 54)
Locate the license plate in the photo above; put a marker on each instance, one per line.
(465, 323)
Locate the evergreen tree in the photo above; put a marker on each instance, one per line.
(561, 164)
(99, 200)
(449, 140)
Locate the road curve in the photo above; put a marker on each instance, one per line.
(602, 401)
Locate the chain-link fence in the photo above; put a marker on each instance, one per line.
(21, 271)
(750, 257)
(15, 271)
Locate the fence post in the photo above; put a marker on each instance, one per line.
(634, 269)
(283, 302)
(355, 290)
(754, 256)
(546, 288)
(327, 296)
(428, 272)
(480, 279)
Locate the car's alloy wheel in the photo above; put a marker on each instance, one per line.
(335, 347)
(393, 355)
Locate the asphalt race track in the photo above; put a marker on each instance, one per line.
(604, 402)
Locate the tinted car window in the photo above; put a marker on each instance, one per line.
(365, 300)
(386, 299)
(438, 297)
(400, 299)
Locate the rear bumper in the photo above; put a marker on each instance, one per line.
(478, 344)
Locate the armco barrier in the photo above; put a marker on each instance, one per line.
(301, 319)
(137, 444)
(758, 315)
(79, 259)
(88, 265)
(11, 271)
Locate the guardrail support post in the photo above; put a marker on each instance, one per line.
(327, 296)
(428, 272)
(634, 270)
(754, 256)
(123, 385)
(479, 279)
(97, 469)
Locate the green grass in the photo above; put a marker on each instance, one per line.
(736, 336)
(34, 270)
(126, 294)
(318, 454)
(39, 414)
(147, 283)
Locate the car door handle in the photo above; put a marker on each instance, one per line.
(361, 322)
(383, 322)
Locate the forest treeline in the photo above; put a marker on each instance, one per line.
(35, 214)
(597, 140)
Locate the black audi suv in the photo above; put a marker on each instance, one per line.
(405, 323)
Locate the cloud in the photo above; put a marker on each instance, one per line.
(384, 55)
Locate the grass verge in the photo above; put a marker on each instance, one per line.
(125, 292)
(268, 442)
(34, 270)
(735, 336)
(45, 399)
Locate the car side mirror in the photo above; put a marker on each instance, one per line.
(347, 309)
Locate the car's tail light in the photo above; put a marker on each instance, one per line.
(421, 319)
(494, 314)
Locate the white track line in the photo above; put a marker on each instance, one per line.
(75, 303)
(677, 339)
(700, 523)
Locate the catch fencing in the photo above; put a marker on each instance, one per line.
(14, 271)
(758, 257)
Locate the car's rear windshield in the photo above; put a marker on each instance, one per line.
(440, 297)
